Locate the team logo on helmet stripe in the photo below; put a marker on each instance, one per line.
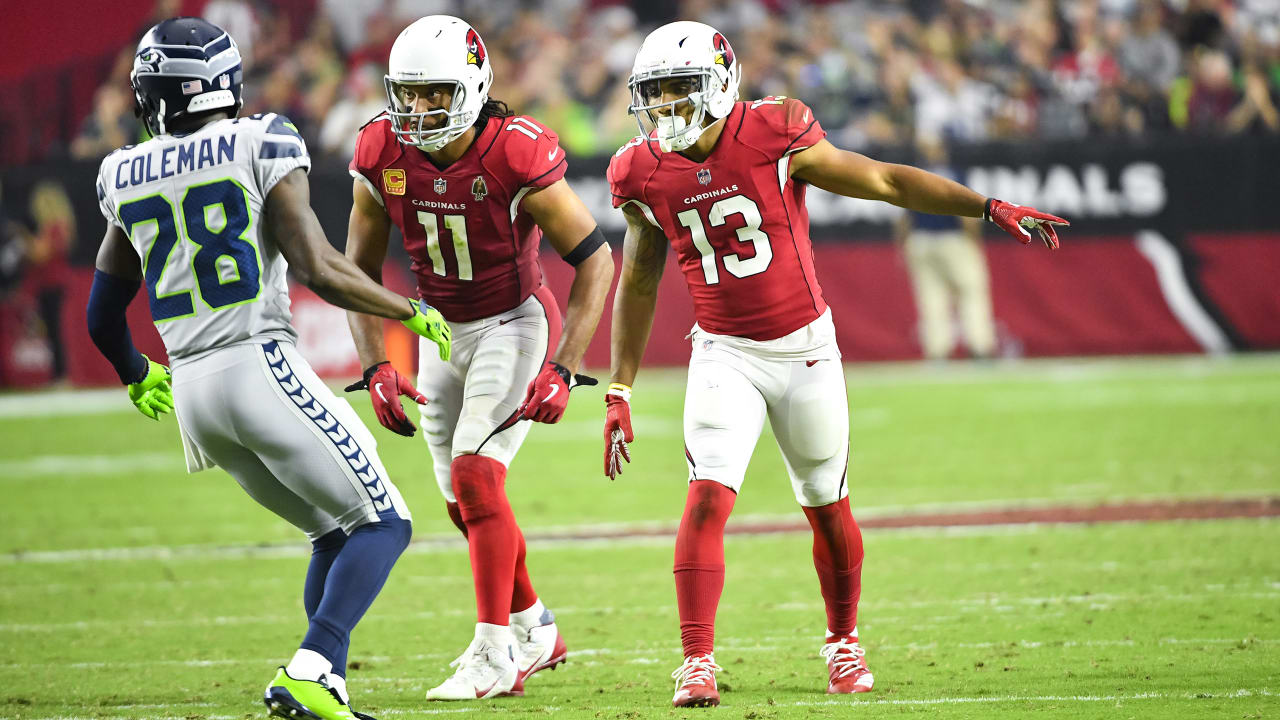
(475, 49)
(724, 53)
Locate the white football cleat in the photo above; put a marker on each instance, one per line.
(486, 669)
(696, 682)
(847, 670)
(539, 648)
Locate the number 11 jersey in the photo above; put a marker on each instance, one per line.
(192, 206)
(473, 249)
(737, 221)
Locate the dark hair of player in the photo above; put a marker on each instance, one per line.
(492, 109)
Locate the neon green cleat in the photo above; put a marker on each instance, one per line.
(153, 394)
(287, 697)
(430, 324)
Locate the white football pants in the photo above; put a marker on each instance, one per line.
(259, 411)
(470, 397)
(730, 392)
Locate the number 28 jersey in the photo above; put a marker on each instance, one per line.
(473, 249)
(737, 221)
(192, 206)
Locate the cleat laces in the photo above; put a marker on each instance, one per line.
(696, 670)
(845, 656)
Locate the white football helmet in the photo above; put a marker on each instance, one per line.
(437, 49)
(683, 49)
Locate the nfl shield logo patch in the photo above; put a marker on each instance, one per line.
(224, 82)
(704, 176)
(440, 186)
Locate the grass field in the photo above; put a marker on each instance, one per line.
(129, 589)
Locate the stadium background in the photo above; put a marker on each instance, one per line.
(1152, 125)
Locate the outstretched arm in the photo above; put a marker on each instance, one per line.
(314, 262)
(850, 174)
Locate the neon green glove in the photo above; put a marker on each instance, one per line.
(153, 394)
(429, 323)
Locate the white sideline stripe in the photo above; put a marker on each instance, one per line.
(75, 466)
(1182, 302)
(1243, 693)
(451, 542)
(58, 403)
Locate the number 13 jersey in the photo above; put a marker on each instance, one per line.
(192, 206)
(473, 249)
(737, 221)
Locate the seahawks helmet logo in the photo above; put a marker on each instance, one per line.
(724, 53)
(475, 49)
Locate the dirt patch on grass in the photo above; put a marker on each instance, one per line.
(1101, 513)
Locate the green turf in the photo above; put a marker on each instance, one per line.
(1137, 620)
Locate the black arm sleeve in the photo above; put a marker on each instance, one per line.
(108, 299)
(586, 248)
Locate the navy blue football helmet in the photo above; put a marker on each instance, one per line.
(185, 66)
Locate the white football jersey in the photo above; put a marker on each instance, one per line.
(192, 206)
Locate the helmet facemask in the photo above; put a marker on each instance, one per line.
(410, 126)
(673, 130)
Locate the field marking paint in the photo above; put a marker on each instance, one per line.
(75, 467)
(63, 403)
(488, 708)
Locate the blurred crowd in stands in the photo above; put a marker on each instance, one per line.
(877, 72)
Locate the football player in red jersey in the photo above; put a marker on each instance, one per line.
(723, 183)
(472, 188)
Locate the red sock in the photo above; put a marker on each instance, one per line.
(455, 514)
(837, 555)
(699, 566)
(522, 595)
(492, 534)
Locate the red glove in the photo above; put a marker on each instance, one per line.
(1018, 220)
(617, 429)
(548, 394)
(385, 387)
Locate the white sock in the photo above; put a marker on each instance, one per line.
(308, 665)
(499, 636)
(530, 617)
(339, 685)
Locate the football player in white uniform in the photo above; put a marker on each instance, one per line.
(209, 215)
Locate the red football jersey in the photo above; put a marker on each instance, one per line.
(737, 221)
(473, 249)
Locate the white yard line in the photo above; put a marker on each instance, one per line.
(75, 466)
(992, 603)
(658, 704)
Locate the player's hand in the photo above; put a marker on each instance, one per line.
(548, 394)
(153, 394)
(617, 429)
(429, 323)
(385, 387)
(1018, 221)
